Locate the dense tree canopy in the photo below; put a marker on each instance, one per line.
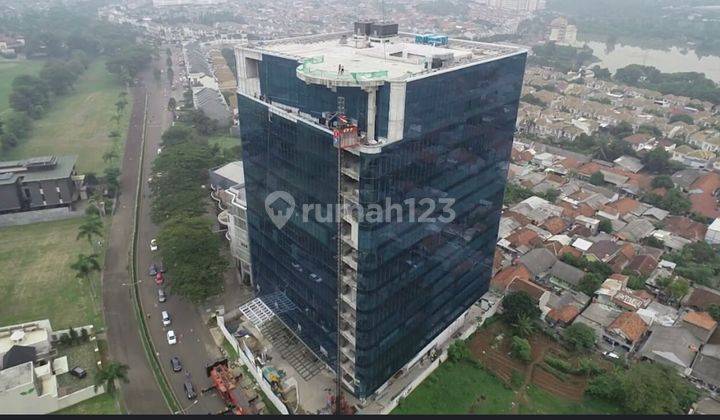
(519, 305)
(191, 251)
(645, 388)
(579, 337)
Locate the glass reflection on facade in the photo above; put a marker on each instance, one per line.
(411, 280)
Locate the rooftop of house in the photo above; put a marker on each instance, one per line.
(700, 319)
(232, 171)
(28, 334)
(600, 314)
(630, 325)
(504, 277)
(702, 297)
(16, 376)
(671, 344)
(707, 364)
(538, 260)
(396, 58)
(535, 291)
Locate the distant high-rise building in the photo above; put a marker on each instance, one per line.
(413, 122)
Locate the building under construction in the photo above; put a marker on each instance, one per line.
(375, 117)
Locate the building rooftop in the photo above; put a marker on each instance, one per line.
(396, 58)
(37, 168)
(16, 376)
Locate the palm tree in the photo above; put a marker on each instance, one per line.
(84, 266)
(524, 326)
(120, 105)
(109, 155)
(91, 226)
(109, 375)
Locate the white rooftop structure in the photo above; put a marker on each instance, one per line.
(365, 63)
(582, 244)
(712, 236)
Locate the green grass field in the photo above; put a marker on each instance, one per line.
(467, 388)
(456, 388)
(37, 281)
(102, 404)
(224, 141)
(78, 123)
(10, 69)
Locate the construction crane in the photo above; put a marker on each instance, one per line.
(345, 136)
(225, 384)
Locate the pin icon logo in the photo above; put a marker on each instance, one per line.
(279, 206)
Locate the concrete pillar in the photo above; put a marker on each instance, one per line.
(371, 111)
(396, 113)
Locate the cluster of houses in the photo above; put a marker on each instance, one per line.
(206, 91)
(568, 105)
(536, 235)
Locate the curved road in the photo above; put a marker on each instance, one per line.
(195, 346)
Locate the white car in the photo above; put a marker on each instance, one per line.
(153, 244)
(165, 318)
(610, 355)
(171, 337)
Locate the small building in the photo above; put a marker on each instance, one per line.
(712, 236)
(672, 346)
(38, 183)
(699, 323)
(707, 366)
(539, 261)
(566, 307)
(228, 189)
(701, 297)
(626, 331)
(35, 376)
(598, 316)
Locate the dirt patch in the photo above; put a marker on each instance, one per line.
(492, 347)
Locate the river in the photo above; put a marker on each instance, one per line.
(668, 61)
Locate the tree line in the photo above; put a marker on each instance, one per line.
(690, 84)
(31, 96)
(189, 248)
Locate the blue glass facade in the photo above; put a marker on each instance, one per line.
(299, 259)
(413, 279)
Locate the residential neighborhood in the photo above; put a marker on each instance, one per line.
(189, 192)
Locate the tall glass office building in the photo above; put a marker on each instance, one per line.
(431, 121)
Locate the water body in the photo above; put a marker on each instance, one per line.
(671, 60)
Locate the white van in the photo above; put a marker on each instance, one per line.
(165, 318)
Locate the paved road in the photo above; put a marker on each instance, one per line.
(195, 346)
(141, 394)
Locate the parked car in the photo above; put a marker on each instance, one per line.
(159, 279)
(153, 244)
(171, 337)
(78, 372)
(166, 318)
(190, 390)
(611, 355)
(153, 270)
(162, 297)
(161, 268)
(175, 363)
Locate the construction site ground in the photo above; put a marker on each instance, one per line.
(493, 381)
